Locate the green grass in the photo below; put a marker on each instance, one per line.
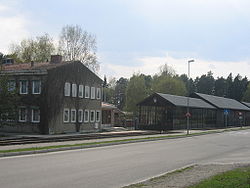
(115, 141)
(238, 178)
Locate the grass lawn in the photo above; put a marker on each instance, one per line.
(238, 178)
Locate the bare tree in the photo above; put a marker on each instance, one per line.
(77, 44)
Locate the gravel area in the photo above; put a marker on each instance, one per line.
(186, 177)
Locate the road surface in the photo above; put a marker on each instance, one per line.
(116, 166)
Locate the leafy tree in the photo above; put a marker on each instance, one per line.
(170, 85)
(136, 91)
(38, 49)
(120, 92)
(77, 44)
(190, 85)
(246, 96)
(205, 84)
(8, 103)
(220, 87)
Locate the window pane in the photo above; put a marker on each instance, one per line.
(22, 114)
(98, 93)
(92, 92)
(23, 87)
(86, 91)
(80, 113)
(67, 89)
(11, 85)
(36, 86)
(74, 90)
(73, 115)
(92, 116)
(86, 116)
(80, 94)
(97, 116)
(66, 115)
(35, 115)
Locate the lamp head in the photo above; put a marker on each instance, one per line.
(190, 61)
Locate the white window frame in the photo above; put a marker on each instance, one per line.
(10, 86)
(68, 111)
(92, 120)
(71, 116)
(80, 115)
(92, 92)
(98, 91)
(19, 114)
(32, 115)
(87, 92)
(80, 91)
(86, 120)
(33, 87)
(98, 111)
(74, 90)
(21, 86)
(67, 87)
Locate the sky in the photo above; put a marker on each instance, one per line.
(138, 36)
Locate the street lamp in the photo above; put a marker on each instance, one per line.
(188, 113)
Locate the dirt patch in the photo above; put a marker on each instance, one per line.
(187, 176)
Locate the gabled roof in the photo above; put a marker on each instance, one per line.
(247, 104)
(36, 66)
(182, 101)
(221, 102)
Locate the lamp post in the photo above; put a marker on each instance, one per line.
(188, 113)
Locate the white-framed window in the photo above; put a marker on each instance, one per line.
(86, 116)
(92, 115)
(67, 89)
(35, 115)
(80, 115)
(36, 86)
(22, 114)
(92, 92)
(74, 90)
(24, 86)
(66, 115)
(80, 91)
(73, 115)
(98, 93)
(86, 91)
(98, 115)
(11, 85)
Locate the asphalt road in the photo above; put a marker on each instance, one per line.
(116, 166)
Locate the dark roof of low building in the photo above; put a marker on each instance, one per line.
(221, 102)
(182, 101)
(247, 104)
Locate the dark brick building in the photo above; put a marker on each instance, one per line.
(55, 97)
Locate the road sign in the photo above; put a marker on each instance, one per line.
(188, 114)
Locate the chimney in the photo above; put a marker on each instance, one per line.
(32, 63)
(55, 59)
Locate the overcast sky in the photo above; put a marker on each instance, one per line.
(140, 35)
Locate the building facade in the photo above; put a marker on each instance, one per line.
(168, 112)
(55, 97)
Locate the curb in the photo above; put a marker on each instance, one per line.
(9, 154)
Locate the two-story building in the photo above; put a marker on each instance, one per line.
(55, 97)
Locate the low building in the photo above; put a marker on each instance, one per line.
(229, 111)
(247, 120)
(167, 112)
(55, 97)
(111, 115)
